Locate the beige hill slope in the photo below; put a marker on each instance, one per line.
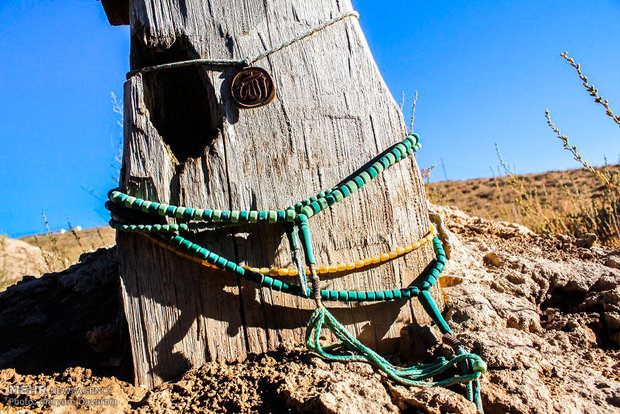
(531, 199)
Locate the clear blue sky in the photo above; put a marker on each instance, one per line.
(485, 72)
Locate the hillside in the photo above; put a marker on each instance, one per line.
(69, 246)
(534, 200)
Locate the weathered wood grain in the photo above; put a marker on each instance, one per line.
(186, 144)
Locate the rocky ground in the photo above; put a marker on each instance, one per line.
(18, 258)
(544, 312)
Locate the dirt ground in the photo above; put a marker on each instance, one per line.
(543, 312)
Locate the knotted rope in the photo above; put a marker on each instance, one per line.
(248, 60)
(134, 214)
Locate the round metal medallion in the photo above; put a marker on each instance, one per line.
(252, 88)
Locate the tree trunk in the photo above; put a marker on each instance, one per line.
(187, 144)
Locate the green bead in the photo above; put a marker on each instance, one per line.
(372, 172)
(359, 182)
(479, 366)
(345, 191)
(198, 213)
(272, 216)
(365, 177)
(217, 215)
(180, 212)
(307, 210)
(234, 216)
(161, 210)
(316, 207)
(188, 213)
(115, 196)
(323, 203)
(385, 161)
(277, 284)
(170, 211)
(153, 207)
(186, 244)
(129, 201)
(312, 199)
(253, 216)
(351, 186)
(338, 195)
(290, 216)
(402, 149)
(391, 158)
(145, 206)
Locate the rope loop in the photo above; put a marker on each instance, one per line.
(133, 214)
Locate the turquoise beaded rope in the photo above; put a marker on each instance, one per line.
(124, 207)
(297, 214)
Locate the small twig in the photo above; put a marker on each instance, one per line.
(415, 100)
(574, 150)
(75, 235)
(591, 89)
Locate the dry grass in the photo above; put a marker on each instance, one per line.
(66, 248)
(552, 202)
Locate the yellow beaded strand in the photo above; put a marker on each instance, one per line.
(322, 270)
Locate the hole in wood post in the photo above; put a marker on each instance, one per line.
(182, 103)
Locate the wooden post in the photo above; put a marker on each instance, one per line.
(187, 144)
